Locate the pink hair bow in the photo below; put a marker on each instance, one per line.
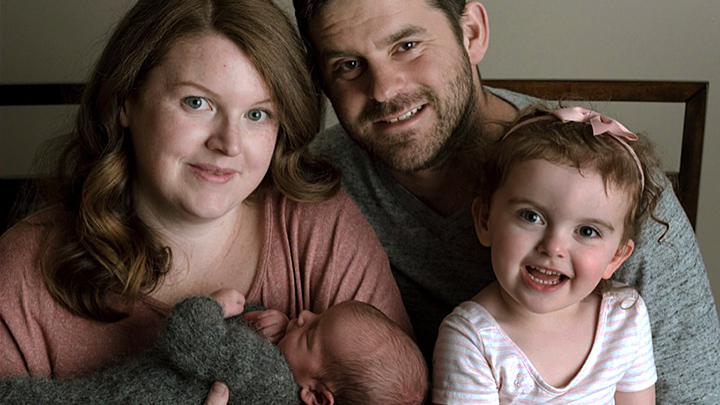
(601, 125)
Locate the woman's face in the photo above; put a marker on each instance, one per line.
(203, 129)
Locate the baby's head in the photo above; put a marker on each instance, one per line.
(354, 354)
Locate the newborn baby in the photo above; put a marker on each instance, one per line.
(351, 353)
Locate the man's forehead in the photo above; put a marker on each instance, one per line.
(383, 21)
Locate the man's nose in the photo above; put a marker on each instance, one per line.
(386, 81)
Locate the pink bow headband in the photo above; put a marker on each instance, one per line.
(600, 125)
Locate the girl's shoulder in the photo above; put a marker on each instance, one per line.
(623, 302)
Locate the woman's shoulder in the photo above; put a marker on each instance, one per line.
(21, 248)
(22, 243)
(337, 209)
(37, 222)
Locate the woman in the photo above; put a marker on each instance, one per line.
(187, 172)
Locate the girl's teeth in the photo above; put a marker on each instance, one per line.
(548, 272)
(553, 273)
(546, 282)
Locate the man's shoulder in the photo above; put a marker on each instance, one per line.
(359, 171)
(333, 141)
(518, 100)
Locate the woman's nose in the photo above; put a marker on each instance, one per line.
(226, 137)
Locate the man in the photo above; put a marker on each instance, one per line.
(401, 76)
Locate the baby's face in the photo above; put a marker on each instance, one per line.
(305, 338)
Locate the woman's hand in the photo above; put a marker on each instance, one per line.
(218, 395)
(270, 323)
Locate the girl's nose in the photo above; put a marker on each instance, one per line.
(552, 244)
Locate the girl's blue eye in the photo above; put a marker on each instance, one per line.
(588, 232)
(195, 103)
(530, 216)
(257, 115)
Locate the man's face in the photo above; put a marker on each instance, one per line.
(398, 78)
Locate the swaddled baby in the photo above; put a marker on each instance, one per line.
(351, 353)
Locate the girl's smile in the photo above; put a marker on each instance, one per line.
(555, 232)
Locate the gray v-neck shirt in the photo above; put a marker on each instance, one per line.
(438, 263)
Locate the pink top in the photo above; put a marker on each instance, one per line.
(313, 256)
(476, 362)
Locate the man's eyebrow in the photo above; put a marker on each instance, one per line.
(412, 30)
(408, 31)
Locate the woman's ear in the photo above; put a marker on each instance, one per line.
(316, 395)
(474, 24)
(621, 254)
(480, 217)
(124, 115)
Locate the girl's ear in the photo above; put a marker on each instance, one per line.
(480, 217)
(318, 395)
(623, 252)
(474, 24)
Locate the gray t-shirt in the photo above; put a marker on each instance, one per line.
(438, 263)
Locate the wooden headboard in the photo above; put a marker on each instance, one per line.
(692, 94)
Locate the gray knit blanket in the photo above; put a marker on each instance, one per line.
(197, 347)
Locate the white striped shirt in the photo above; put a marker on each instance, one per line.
(475, 362)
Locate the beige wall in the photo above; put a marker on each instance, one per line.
(52, 41)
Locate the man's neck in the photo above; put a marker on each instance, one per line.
(444, 190)
(449, 188)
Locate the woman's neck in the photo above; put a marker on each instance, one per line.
(207, 256)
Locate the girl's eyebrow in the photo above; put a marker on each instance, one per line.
(599, 223)
(521, 200)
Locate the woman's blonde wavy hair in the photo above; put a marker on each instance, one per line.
(104, 246)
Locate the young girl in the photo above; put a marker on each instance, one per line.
(564, 192)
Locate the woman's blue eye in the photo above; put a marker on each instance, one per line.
(257, 115)
(348, 65)
(195, 103)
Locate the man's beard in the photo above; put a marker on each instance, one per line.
(458, 121)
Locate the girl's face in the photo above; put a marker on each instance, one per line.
(554, 233)
(203, 129)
